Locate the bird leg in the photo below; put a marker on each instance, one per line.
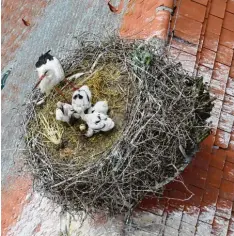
(61, 93)
(70, 83)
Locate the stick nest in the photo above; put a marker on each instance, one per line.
(162, 114)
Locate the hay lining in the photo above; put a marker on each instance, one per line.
(163, 127)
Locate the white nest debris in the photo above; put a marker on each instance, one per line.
(95, 116)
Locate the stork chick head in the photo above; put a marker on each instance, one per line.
(81, 99)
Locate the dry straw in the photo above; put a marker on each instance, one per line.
(165, 113)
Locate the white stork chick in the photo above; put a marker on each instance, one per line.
(81, 99)
(101, 107)
(97, 122)
(65, 112)
(50, 72)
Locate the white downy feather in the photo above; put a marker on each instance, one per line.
(100, 106)
(64, 112)
(97, 122)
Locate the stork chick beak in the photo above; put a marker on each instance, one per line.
(39, 81)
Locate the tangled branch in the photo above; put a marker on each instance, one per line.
(165, 122)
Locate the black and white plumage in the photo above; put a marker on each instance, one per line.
(65, 112)
(50, 72)
(97, 122)
(100, 106)
(81, 99)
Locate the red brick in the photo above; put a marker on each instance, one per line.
(232, 70)
(228, 171)
(203, 2)
(151, 204)
(214, 124)
(197, 191)
(177, 184)
(188, 61)
(220, 226)
(14, 198)
(214, 177)
(208, 9)
(192, 10)
(214, 24)
(229, 21)
(12, 20)
(224, 208)
(207, 213)
(228, 104)
(226, 121)
(177, 203)
(230, 156)
(197, 177)
(141, 28)
(163, 202)
(186, 228)
(221, 72)
(230, 233)
(190, 215)
(232, 133)
(230, 87)
(211, 41)
(207, 58)
(177, 194)
(217, 88)
(203, 227)
(188, 169)
(200, 46)
(231, 145)
(204, 25)
(206, 73)
(185, 47)
(227, 38)
(190, 28)
(196, 199)
(202, 160)
(217, 107)
(182, 36)
(227, 190)
(218, 159)
(207, 144)
(222, 138)
(210, 195)
(218, 8)
(231, 224)
(230, 6)
(148, 5)
(173, 218)
(215, 113)
(224, 55)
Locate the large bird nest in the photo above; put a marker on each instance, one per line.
(160, 113)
